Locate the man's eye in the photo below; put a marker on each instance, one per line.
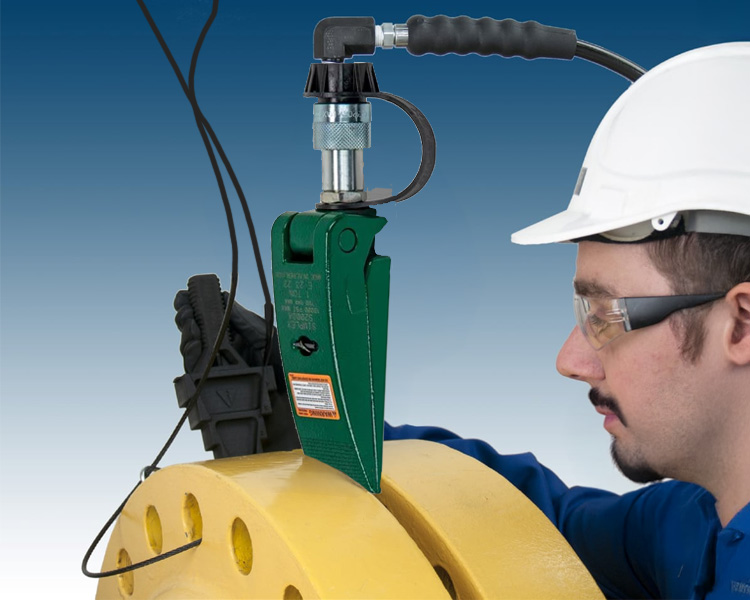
(597, 323)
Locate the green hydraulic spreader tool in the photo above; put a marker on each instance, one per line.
(331, 289)
(331, 294)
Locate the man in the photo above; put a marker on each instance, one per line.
(661, 214)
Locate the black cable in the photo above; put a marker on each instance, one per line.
(190, 92)
(201, 122)
(132, 567)
(608, 59)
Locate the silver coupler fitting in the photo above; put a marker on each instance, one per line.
(389, 35)
(341, 132)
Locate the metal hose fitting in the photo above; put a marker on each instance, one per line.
(341, 132)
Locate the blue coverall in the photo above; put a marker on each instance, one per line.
(661, 541)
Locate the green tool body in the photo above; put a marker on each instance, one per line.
(331, 294)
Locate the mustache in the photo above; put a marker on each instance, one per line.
(608, 402)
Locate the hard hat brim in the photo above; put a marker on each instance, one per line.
(565, 226)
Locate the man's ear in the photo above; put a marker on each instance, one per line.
(737, 340)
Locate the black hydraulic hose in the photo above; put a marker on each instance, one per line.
(609, 60)
(508, 38)
(338, 38)
(486, 36)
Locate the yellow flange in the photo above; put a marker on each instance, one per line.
(485, 538)
(286, 526)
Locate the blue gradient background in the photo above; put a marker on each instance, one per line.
(109, 205)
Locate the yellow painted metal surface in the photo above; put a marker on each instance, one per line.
(477, 528)
(285, 526)
(279, 525)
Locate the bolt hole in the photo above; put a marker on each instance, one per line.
(191, 518)
(446, 580)
(125, 581)
(242, 546)
(153, 529)
(292, 593)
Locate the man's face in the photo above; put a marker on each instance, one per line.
(656, 405)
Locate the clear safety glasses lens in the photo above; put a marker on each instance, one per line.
(601, 319)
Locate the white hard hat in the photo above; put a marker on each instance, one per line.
(674, 148)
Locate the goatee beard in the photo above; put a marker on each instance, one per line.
(637, 470)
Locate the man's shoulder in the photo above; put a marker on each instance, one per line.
(675, 499)
(679, 490)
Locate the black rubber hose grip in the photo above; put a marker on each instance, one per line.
(485, 36)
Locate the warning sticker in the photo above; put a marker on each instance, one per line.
(313, 396)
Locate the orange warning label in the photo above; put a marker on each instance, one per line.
(313, 396)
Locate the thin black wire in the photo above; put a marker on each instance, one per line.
(202, 124)
(190, 93)
(608, 59)
(138, 565)
(189, 90)
(200, 121)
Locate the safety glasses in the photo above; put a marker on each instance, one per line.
(603, 319)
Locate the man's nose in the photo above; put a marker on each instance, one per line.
(578, 360)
